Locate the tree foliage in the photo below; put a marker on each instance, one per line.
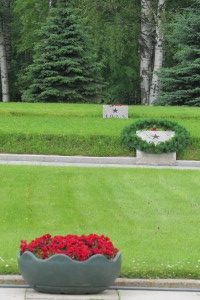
(114, 27)
(63, 69)
(180, 83)
(29, 16)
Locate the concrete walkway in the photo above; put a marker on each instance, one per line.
(29, 294)
(86, 161)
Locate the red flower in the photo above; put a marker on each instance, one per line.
(76, 247)
(23, 246)
(154, 128)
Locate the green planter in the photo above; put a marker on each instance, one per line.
(60, 274)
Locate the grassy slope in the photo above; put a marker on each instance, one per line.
(76, 129)
(94, 110)
(152, 215)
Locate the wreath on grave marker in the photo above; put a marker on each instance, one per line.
(177, 143)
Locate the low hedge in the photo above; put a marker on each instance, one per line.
(132, 141)
(87, 145)
(58, 144)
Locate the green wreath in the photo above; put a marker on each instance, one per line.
(177, 143)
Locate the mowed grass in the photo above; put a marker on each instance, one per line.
(95, 110)
(151, 215)
(79, 129)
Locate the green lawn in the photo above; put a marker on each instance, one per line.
(94, 110)
(78, 129)
(151, 215)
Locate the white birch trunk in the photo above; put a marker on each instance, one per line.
(50, 3)
(7, 39)
(159, 53)
(146, 48)
(6, 17)
(3, 66)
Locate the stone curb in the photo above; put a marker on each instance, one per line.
(67, 159)
(87, 161)
(159, 283)
(124, 282)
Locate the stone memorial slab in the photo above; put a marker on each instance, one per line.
(115, 111)
(156, 136)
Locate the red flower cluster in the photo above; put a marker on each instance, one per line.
(154, 128)
(77, 247)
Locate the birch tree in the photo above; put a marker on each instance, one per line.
(146, 49)
(50, 2)
(7, 30)
(158, 52)
(3, 57)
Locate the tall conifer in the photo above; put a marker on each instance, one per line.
(64, 68)
(180, 83)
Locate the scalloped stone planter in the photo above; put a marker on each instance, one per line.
(61, 275)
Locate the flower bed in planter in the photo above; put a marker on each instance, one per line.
(69, 264)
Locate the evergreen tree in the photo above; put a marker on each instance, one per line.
(114, 26)
(180, 83)
(64, 68)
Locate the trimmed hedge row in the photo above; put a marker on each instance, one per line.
(88, 145)
(58, 144)
(178, 143)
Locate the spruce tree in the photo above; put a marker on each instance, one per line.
(180, 83)
(64, 68)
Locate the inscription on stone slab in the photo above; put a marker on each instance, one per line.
(155, 137)
(115, 111)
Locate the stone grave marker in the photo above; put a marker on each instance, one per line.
(155, 137)
(115, 111)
